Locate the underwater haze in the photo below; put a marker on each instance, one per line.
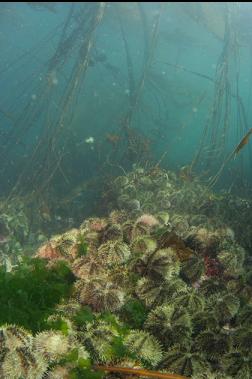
(125, 190)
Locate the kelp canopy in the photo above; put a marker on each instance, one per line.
(140, 80)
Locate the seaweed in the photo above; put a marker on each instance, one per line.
(85, 373)
(29, 294)
(82, 246)
(58, 324)
(82, 366)
(134, 313)
(83, 316)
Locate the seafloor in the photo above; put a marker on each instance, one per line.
(163, 283)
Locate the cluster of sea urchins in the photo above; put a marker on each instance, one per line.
(190, 281)
(27, 356)
(187, 200)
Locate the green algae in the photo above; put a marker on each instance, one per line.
(29, 294)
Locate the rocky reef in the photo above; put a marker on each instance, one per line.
(162, 283)
(14, 232)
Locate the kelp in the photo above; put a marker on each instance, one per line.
(227, 111)
(35, 176)
(140, 372)
(134, 144)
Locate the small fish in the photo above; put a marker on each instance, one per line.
(242, 143)
(90, 140)
(233, 154)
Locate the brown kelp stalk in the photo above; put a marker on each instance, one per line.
(136, 145)
(140, 372)
(226, 102)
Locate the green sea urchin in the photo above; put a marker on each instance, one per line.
(98, 337)
(154, 293)
(143, 245)
(18, 359)
(158, 265)
(144, 346)
(238, 365)
(192, 301)
(225, 306)
(170, 324)
(184, 361)
(51, 344)
(114, 252)
(212, 344)
(193, 268)
(100, 294)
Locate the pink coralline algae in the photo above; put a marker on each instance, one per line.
(97, 225)
(47, 251)
(212, 266)
(147, 220)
